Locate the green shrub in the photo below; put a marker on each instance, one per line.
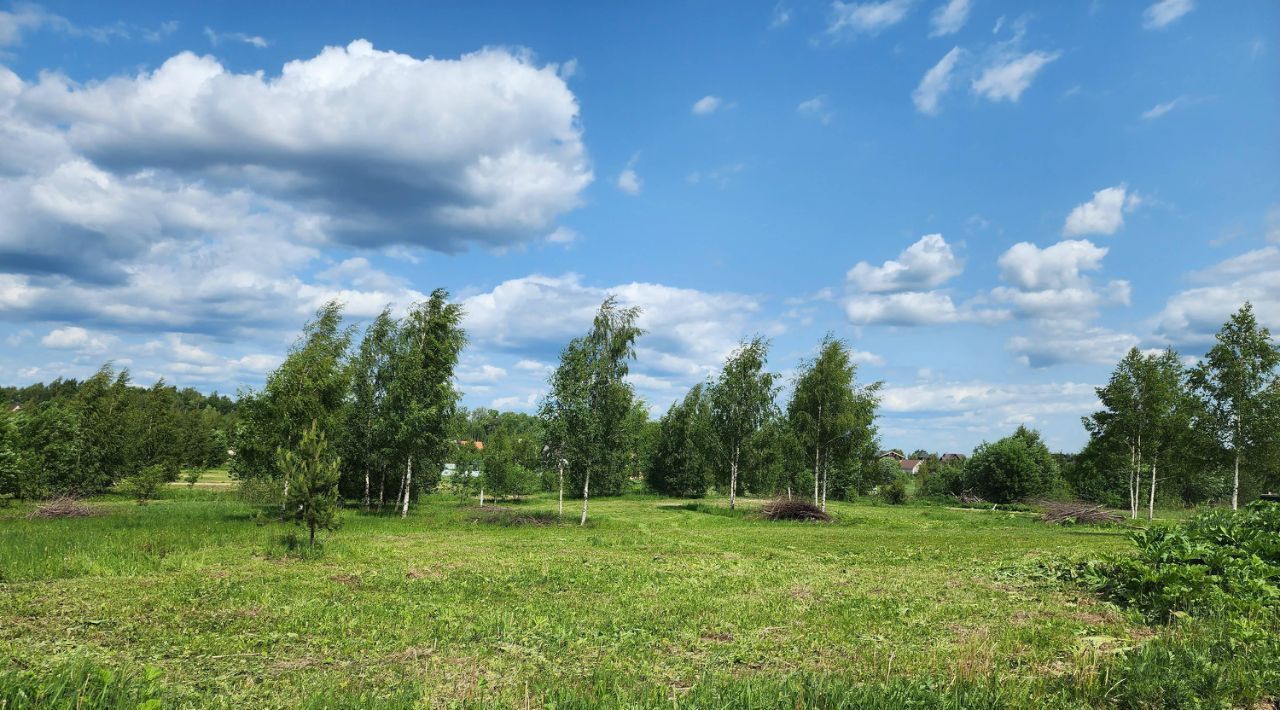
(895, 492)
(144, 484)
(192, 477)
(1219, 563)
(1015, 467)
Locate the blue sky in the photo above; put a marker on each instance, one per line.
(990, 201)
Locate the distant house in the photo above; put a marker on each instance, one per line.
(477, 445)
(911, 466)
(948, 458)
(891, 455)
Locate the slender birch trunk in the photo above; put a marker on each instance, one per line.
(366, 489)
(382, 489)
(733, 478)
(825, 466)
(481, 496)
(560, 465)
(1235, 484)
(586, 483)
(285, 501)
(817, 451)
(408, 486)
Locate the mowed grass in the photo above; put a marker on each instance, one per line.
(442, 608)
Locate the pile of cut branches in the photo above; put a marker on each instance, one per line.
(782, 509)
(1058, 512)
(63, 507)
(969, 498)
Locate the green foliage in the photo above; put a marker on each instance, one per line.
(1219, 563)
(895, 491)
(422, 399)
(588, 413)
(834, 419)
(503, 475)
(311, 385)
(312, 472)
(1240, 387)
(1015, 467)
(741, 401)
(192, 477)
(939, 478)
(144, 484)
(683, 462)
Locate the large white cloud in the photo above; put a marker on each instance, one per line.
(368, 147)
(1103, 214)
(1193, 316)
(926, 264)
(1052, 282)
(1054, 346)
(915, 308)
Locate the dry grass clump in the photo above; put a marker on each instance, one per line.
(63, 507)
(782, 509)
(1057, 512)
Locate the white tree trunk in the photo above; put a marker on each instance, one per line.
(285, 501)
(481, 496)
(586, 483)
(382, 489)
(366, 489)
(816, 452)
(408, 487)
(733, 478)
(561, 467)
(1235, 484)
(824, 486)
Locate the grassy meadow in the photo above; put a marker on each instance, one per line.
(199, 599)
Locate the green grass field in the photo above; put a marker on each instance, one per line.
(198, 598)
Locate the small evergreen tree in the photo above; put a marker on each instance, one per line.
(313, 474)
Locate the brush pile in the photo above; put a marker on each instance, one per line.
(1080, 513)
(782, 509)
(63, 507)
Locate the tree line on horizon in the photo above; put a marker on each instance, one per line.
(383, 413)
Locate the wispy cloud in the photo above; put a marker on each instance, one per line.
(818, 108)
(867, 17)
(1161, 109)
(1163, 13)
(217, 38)
(936, 82)
(949, 18)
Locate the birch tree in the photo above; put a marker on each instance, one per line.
(588, 408)
(368, 421)
(1237, 381)
(421, 395)
(741, 402)
(833, 418)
